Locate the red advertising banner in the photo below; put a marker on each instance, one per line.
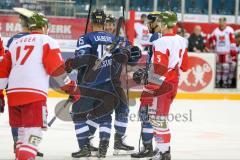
(60, 28)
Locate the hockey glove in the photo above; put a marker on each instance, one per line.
(149, 92)
(71, 88)
(135, 54)
(2, 102)
(139, 75)
(69, 65)
(74, 98)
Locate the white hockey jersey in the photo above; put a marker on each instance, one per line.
(223, 41)
(169, 55)
(26, 68)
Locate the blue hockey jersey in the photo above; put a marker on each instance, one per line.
(96, 44)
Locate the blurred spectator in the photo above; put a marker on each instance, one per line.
(142, 33)
(196, 41)
(237, 36)
(181, 31)
(224, 45)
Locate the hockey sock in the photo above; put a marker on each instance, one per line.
(121, 119)
(162, 138)
(147, 133)
(105, 130)
(82, 134)
(31, 138)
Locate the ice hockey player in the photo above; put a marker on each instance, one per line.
(110, 24)
(26, 68)
(147, 130)
(169, 56)
(23, 16)
(223, 42)
(96, 43)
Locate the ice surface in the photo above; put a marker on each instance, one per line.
(211, 132)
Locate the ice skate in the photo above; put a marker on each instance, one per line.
(145, 152)
(161, 156)
(84, 152)
(120, 148)
(102, 150)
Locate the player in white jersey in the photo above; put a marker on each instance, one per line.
(26, 68)
(142, 33)
(223, 42)
(169, 56)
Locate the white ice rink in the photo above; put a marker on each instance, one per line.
(211, 132)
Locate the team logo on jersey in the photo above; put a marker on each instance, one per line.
(197, 77)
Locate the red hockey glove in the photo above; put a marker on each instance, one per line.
(2, 102)
(149, 92)
(74, 98)
(71, 88)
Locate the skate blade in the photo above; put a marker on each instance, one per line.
(122, 152)
(94, 153)
(82, 158)
(145, 158)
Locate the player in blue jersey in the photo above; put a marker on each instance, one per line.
(97, 76)
(147, 130)
(25, 31)
(102, 54)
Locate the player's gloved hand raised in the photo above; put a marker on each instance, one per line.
(69, 65)
(149, 92)
(2, 102)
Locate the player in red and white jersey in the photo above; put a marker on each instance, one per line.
(169, 57)
(143, 34)
(223, 42)
(26, 68)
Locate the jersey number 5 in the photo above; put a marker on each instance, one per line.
(29, 50)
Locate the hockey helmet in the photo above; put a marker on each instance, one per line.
(37, 21)
(98, 16)
(24, 15)
(168, 18)
(110, 19)
(153, 16)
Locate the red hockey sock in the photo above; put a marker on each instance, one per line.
(27, 152)
(18, 145)
(162, 138)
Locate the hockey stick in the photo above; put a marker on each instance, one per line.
(70, 97)
(60, 110)
(88, 17)
(126, 68)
